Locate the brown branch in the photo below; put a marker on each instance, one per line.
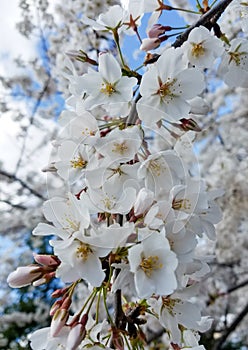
(207, 20)
(238, 319)
(13, 177)
(240, 285)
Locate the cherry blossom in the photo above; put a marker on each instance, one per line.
(107, 86)
(166, 87)
(153, 265)
(202, 48)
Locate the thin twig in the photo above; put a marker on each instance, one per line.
(231, 328)
(207, 20)
(13, 177)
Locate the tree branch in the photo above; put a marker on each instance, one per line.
(18, 206)
(24, 185)
(231, 328)
(208, 19)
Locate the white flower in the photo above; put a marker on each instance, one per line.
(107, 86)
(78, 127)
(74, 160)
(174, 313)
(116, 174)
(166, 87)
(234, 64)
(111, 199)
(201, 48)
(112, 19)
(120, 145)
(79, 259)
(161, 171)
(80, 253)
(153, 265)
(68, 215)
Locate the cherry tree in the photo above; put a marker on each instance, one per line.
(133, 224)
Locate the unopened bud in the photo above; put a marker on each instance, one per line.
(157, 30)
(58, 321)
(59, 292)
(55, 307)
(45, 279)
(47, 260)
(150, 44)
(189, 124)
(24, 276)
(77, 334)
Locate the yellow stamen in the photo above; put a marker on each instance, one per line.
(120, 148)
(108, 89)
(83, 251)
(149, 264)
(78, 162)
(197, 50)
(167, 89)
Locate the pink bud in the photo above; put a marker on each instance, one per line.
(45, 279)
(55, 307)
(58, 321)
(24, 275)
(47, 260)
(77, 334)
(157, 30)
(150, 44)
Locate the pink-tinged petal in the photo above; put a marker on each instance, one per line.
(109, 68)
(58, 321)
(24, 276)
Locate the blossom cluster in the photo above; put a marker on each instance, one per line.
(133, 216)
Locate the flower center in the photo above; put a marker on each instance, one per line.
(120, 148)
(156, 167)
(83, 251)
(197, 50)
(179, 204)
(108, 203)
(149, 264)
(237, 56)
(78, 162)
(167, 89)
(108, 89)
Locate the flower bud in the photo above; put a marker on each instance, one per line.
(77, 334)
(55, 307)
(150, 44)
(58, 321)
(47, 260)
(45, 279)
(189, 124)
(157, 30)
(24, 276)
